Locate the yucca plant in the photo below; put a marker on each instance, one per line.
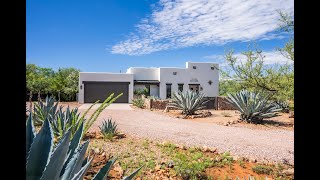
(189, 102)
(138, 102)
(108, 128)
(65, 161)
(43, 110)
(252, 106)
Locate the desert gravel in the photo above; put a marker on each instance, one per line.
(270, 145)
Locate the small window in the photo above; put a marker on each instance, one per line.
(174, 73)
(168, 89)
(194, 67)
(180, 87)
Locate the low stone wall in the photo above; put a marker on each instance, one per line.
(222, 104)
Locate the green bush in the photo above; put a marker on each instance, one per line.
(138, 102)
(189, 102)
(262, 169)
(65, 161)
(140, 92)
(253, 107)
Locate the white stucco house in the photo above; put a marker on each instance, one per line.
(161, 82)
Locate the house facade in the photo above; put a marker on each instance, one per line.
(161, 82)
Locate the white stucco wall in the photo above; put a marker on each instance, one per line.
(144, 73)
(202, 73)
(104, 77)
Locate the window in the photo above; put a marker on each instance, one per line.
(212, 67)
(194, 87)
(174, 73)
(168, 90)
(180, 87)
(194, 67)
(148, 88)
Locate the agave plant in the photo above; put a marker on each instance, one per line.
(43, 110)
(108, 128)
(252, 106)
(62, 120)
(65, 161)
(189, 102)
(283, 105)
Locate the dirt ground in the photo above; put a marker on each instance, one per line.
(222, 117)
(154, 156)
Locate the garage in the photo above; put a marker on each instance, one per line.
(94, 91)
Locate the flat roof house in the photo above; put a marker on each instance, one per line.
(162, 82)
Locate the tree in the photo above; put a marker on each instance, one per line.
(66, 81)
(43, 80)
(287, 25)
(71, 89)
(30, 80)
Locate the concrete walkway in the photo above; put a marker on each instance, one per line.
(113, 106)
(272, 145)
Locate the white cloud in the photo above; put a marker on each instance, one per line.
(270, 57)
(184, 23)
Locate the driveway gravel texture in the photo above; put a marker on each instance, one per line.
(271, 145)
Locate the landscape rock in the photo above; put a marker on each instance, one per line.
(288, 172)
(213, 150)
(170, 164)
(205, 149)
(253, 160)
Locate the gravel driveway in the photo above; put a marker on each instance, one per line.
(272, 145)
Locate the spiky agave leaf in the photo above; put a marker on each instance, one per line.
(53, 169)
(189, 102)
(132, 174)
(40, 152)
(103, 172)
(252, 106)
(73, 146)
(30, 134)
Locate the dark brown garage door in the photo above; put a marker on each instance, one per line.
(94, 91)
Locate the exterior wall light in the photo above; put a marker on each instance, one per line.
(210, 82)
(81, 86)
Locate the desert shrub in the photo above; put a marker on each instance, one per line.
(143, 91)
(283, 105)
(138, 102)
(188, 168)
(188, 101)
(67, 160)
(262, 169)
(108, 129)
(253, 107)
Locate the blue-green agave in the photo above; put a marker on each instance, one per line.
(43, 110)
(253, 107)
(189, 102)
(108, 128)
(65, 161)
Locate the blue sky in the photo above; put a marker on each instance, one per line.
(112, 35)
